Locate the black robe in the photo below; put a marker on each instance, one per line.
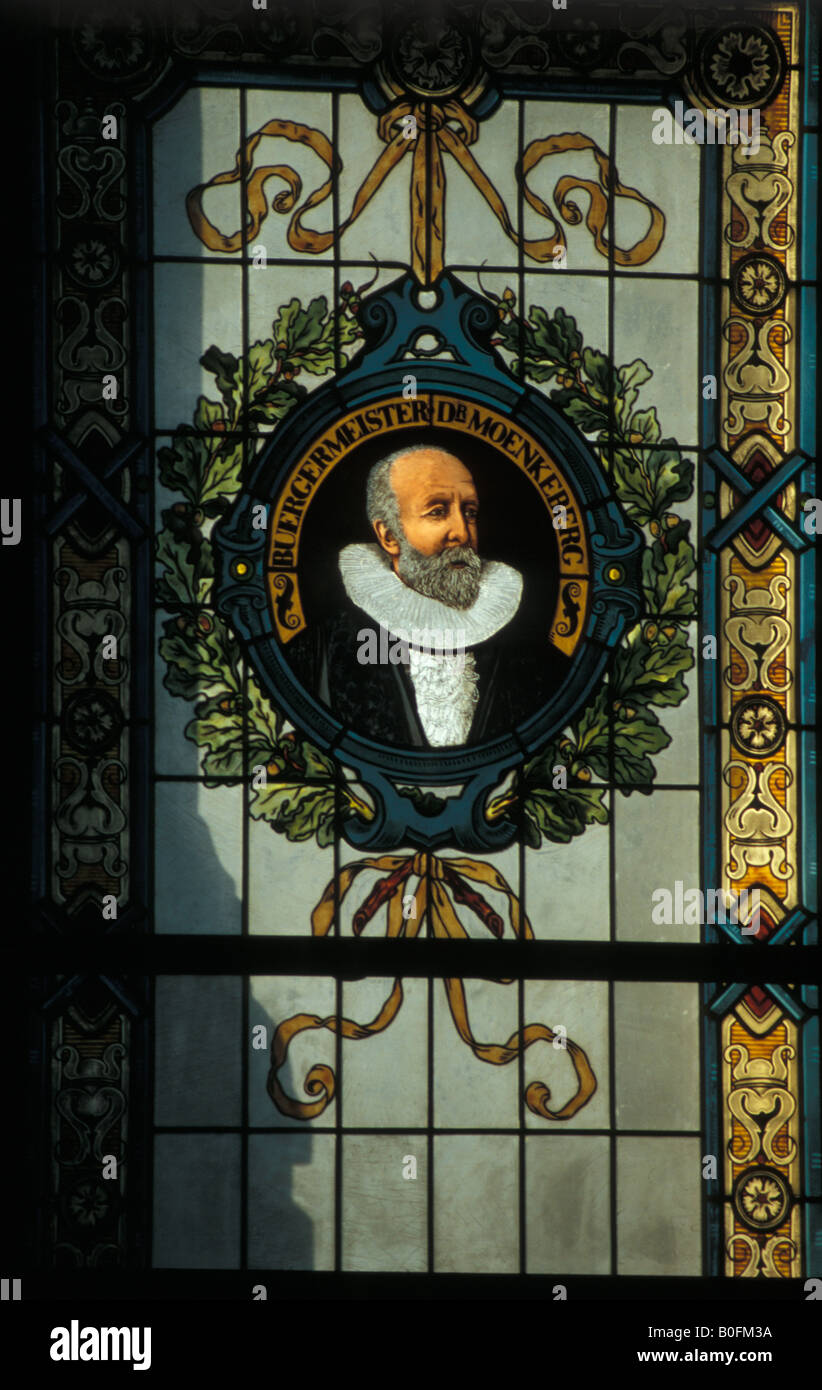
(517, 675)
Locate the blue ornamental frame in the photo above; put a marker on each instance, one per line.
(463, 323)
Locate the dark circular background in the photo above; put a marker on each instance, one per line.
(514, 525)
(785, 1197)
(758, 260)
(750, 50)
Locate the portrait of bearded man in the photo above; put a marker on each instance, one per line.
(428, 649)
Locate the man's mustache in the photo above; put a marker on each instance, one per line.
(460, 555)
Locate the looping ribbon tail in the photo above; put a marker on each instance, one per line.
(438, 880)
(255, 204)
(599, 193)
(537, 1094)
(320, 1080)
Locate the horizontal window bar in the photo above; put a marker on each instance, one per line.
(356, 959)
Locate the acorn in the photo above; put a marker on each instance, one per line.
(346, 290)
(671, 520)
(204, 623)
(655, 528)
(651, 631)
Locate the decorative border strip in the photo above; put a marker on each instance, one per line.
(757, 696)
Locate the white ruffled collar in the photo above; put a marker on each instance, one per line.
(372, 585)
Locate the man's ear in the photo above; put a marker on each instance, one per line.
(387, 539)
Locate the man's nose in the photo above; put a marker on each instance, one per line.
(457, 528)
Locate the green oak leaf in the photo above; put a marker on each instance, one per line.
(634, 741)
(628, 381)
(647, 672)
(218, 727)
(296, 810)
(275, 401)
(295, 756)
(181, 465)
(635, 737)
(221, 473)
(648, 481)
(205, 559)
(584, 413)
(292, 319)
(592, 728)
(664, 581)
(548, 342)
(672, 476)
(598, 370)
(263, 719)
(199, 660)
(316, 764)
(633, 485)
(227, 372)
(646, 423)
(179, 580)
(207, 414)
(561, 815)
(202, 467)
(541, 371)
(530, 831)
(305, 337)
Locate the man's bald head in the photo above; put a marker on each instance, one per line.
(417, 483)
(424, 471)
(423, 506)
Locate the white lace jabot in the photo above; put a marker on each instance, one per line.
(445, 684)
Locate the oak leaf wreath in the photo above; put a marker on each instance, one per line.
(613, 738)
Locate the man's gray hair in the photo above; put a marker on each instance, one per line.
(380, 499)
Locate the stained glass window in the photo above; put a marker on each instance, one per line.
(426, 530)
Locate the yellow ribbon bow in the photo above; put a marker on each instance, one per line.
(437, 127)
(439, 880)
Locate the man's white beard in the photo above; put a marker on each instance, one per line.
(436, 575)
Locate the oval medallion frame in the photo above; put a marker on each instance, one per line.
(461, 384)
